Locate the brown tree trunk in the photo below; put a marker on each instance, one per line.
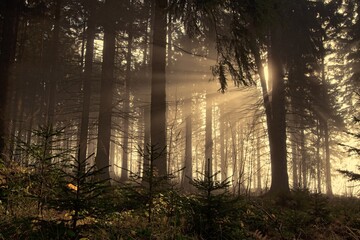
(87, 77)
(53, 68)
(258, 159)
(275, 115)
(7, 56)
(158, 87)
(279, 175)
(188, 144)
(208, 136)
(318, 158)
(106, 96)
(125, 153)
(223, 163)
(304, 166)
(327, 160)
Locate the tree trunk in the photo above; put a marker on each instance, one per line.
(258, 159)
(275, 115)
(318, 158)
(158, 87)
(125, 153)
(106, 96)
(53, 68)
(87, 77)
(7, 56)
(208, 136)
(188, 144)
(222, 144)
(279, 175)
(327, 160)
(304, 166)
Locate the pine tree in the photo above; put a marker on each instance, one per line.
(352, 176)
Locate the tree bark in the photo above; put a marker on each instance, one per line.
(279, 175)
(7, 56)
(87, 78)
(208, 137)
(158, 87)
(327, 160)
(53, 58)
(125, 153)
(318, 158)
(106, 96)
(188, 145)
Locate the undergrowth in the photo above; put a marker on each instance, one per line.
(149, 206)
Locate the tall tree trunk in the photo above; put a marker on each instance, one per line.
(258, 159)
(125, 153)
(7, 56)
(208, 136)
(158, 86)
(279, 175)
(188, 144)
(223, 163)
(106, 96)
(304, 166)
(318, 158)
(87, 77)
(53, 58)
(275, 115)
(327, 160)
(325, 126)
(235, 167)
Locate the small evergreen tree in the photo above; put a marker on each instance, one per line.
(352, 176)
(143, 189)
(81, 193)
(44, 159)
(214, 210)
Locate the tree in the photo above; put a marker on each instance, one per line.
(158, 84)
(352, 176)
(7, 56)
(106, 92)
(53, 66)
(87, 77)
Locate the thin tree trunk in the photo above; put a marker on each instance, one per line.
(318, 158)
(158, 87)
(87, 77)
(327, 160)
(53, 59)
(125, 153)
(304, 167)
(222, 144)
(147, 117)
(188, 144)
(106, 96)
(258, 159)
(208, 136)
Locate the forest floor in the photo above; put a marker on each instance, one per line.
(170, 215)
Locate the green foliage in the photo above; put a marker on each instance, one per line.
(80, 192)
(213, 211)
(44, 161)
(352, 176)
(144, 190)
(150, 207)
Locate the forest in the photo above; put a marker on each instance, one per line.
(179, 119)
